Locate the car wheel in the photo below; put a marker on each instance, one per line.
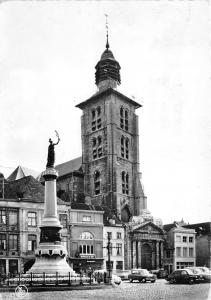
(172, 281)
(131, 280)
(153, 281)
(143, 280)
(190, 281)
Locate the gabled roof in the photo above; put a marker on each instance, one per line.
(107, 92)
(26, 189)
(21, 172)
(69, 166)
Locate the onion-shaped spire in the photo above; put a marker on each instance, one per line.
(107, 68)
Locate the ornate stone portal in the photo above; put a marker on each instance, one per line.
(50, 254)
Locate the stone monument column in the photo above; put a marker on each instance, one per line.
(51, 254)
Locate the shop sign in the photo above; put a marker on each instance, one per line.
(87, 256)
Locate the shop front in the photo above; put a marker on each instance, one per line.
(86, 264)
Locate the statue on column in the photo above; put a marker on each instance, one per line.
(51, 152)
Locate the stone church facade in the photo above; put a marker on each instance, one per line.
(108, 174)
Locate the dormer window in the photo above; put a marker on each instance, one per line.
(124, 118)
(96, 118)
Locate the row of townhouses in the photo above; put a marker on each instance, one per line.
(139, 244)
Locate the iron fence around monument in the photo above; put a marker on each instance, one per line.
(44, 279)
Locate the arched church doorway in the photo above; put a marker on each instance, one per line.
(146, 256)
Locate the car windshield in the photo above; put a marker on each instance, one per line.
(144, 272)
(203, 269)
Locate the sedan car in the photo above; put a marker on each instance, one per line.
(203, 272)
(183, 276)
(142, 275)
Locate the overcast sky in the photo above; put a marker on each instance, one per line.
(48, 53)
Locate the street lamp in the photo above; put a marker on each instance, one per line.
(108, 247)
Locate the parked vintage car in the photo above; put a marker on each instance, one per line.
(183, 276)
(103, 276)
(142, 275)
(123, 274)
(204, 272)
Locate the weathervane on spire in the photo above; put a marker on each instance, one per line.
(107, 44)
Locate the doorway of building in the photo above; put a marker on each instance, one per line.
(13, 267)
(146, 256)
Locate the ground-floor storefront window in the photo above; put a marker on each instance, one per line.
(182, 265)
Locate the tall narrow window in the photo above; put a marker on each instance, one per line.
(13, 242)
(13, 217)
(124, 147)
(124, 118)
(190, 252)
(32, 242)
(96, 118)
(32, 219)
(118, 249)
(127, 148)
(97, 182)
(2, 241)
(93, 120)
(125, 183)
(97, 148)
(2, 216)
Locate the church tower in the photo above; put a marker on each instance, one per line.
(110, 144)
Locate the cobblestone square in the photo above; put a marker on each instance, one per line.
(126, 291)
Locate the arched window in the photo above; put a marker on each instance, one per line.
(124, 147)
(86, 246)
(97, 149)
(86, 236)
(124, 118)
(97, 182)
(125, 183)
(96, 118)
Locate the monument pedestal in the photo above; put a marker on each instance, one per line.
(51, 254)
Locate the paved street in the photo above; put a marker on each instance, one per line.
(139, 291)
